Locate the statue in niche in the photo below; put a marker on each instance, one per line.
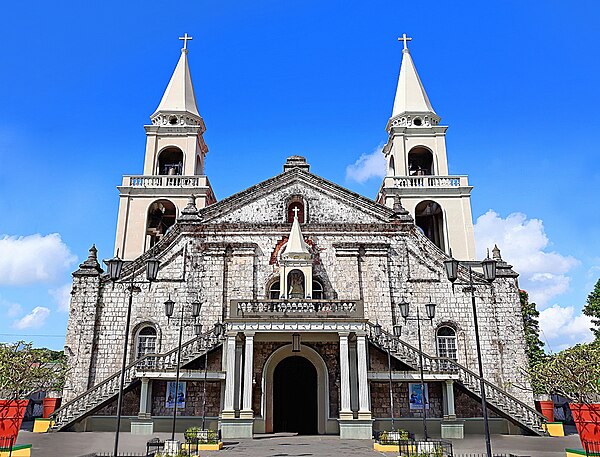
(296, 284)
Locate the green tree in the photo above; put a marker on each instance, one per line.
(530, 314)
(592, 309)
(573, 373)
(25, 370)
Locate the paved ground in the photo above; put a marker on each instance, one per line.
(67, 444)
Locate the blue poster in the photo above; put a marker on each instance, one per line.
(415, 396)
(171, 395)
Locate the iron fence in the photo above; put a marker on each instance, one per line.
(6, 444)
(495, 455)
(592, 448)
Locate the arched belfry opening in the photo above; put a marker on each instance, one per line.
(295, 396)
(420, 162)
(161, 216)
(170, 161)
(429, 217)
(391, 167)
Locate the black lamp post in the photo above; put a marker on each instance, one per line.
(115, 266)
(489, 274)
(430, 310)
(169, 309)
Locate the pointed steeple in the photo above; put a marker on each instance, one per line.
(179, 99)
(411, 100)
(296, 247)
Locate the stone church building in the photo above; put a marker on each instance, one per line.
(299, 283)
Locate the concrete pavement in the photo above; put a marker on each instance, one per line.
(71, 444)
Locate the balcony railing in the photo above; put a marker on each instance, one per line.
(281, 309)
(165, 181)
(427, 181)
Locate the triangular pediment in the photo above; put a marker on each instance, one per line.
(326, 202)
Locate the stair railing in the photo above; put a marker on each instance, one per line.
(110, 386)
(498, 397)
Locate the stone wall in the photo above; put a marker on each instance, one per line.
(226, 254)
(380, 400)
(193, 401)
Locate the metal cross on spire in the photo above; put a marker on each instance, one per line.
(186, 37)
(295, 209)
(402, 38)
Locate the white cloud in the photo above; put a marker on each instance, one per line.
(523, 243)
(367, 166)
(35, 319)
(33, 258)
(559, 323)
(62, 297)
(12, 309)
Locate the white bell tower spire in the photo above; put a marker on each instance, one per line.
(418, 167)
(173, 167)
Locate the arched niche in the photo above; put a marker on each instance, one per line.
(161, 216)
(296, 284)
(322, 384)
(429, 217)
(420, 161)
(170, 161)
(292, 203)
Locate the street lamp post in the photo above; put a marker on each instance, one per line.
(115, 266)
(489, 274)
(169, 308)
(404, 312)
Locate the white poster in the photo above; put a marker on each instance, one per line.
(171, 394)
(415, 396)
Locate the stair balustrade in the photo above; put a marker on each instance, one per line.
(501, 400)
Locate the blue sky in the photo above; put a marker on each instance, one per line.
(515, 81)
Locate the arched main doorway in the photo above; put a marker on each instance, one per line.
(295, 396)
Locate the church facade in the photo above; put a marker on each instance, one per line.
(302, 288)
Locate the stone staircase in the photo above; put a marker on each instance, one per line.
(107, 390)
(500, 400)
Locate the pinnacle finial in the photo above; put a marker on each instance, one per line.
(93, 252)
(496, 253)
(403, 38)
(190, 211)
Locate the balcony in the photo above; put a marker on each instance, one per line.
(294, 309)
(427, 181)
(154, 181)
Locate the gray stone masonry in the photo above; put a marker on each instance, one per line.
(362, 250)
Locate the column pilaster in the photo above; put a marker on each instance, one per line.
(228, 406)
(450, 399)
(345, 411)
(247, 412)
(364, 411)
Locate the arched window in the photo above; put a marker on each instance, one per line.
(161, 216)
(317, 290)
(275, 291)
(145, 341)
(429, 217)
(170, 162)
(420, 162)
(296, 284)
(291, 209)
(446, 342)
(199, 169)
(392, 167)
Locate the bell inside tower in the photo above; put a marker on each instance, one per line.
(420, 162)
(429, 217)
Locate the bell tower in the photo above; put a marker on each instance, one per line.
(173, 167)
(417, 168)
